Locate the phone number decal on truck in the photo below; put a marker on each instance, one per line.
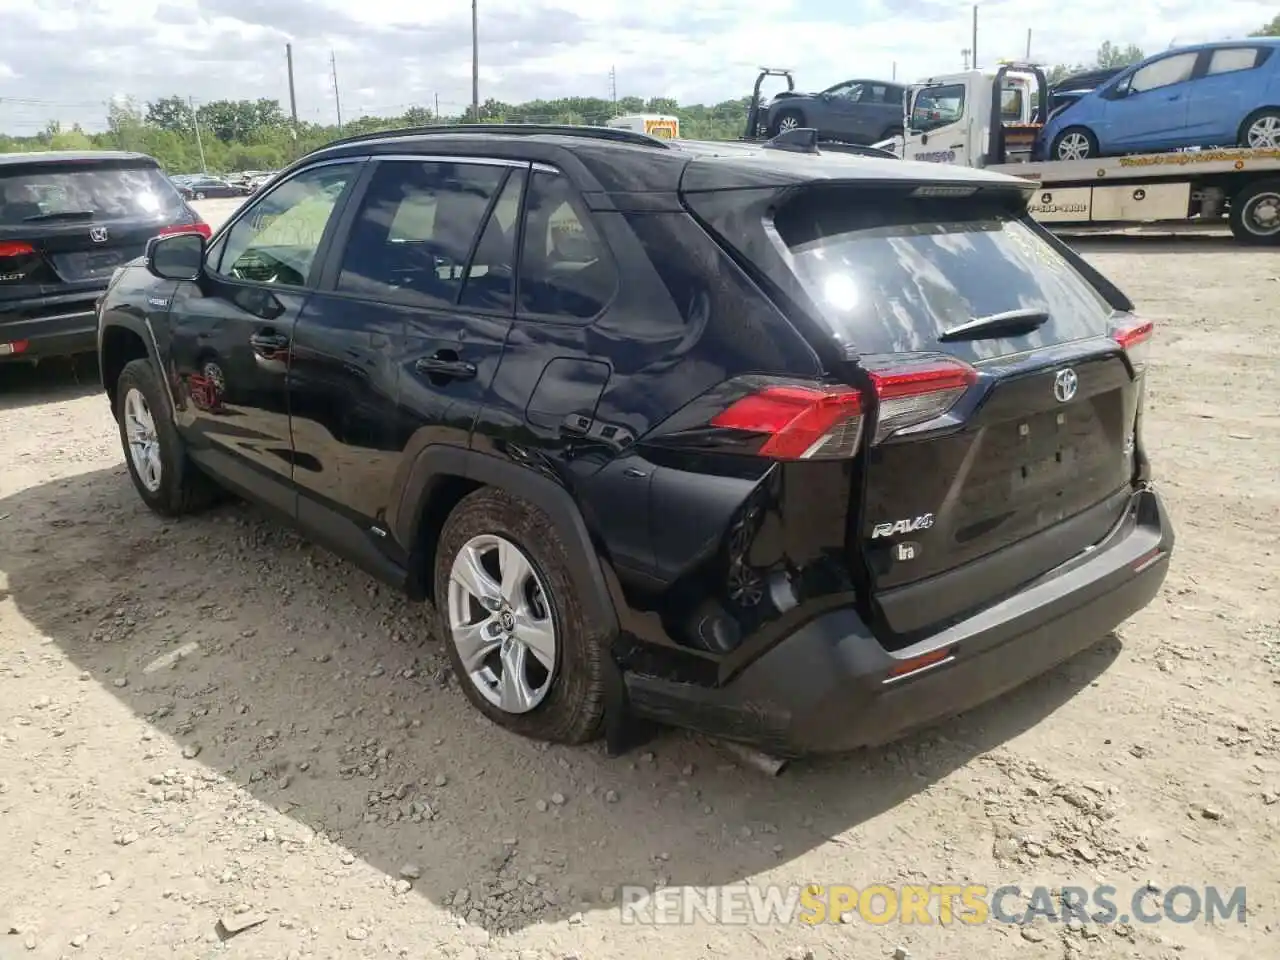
(936, 156)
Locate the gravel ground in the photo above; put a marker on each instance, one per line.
(211, 724)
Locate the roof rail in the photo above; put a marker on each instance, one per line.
(613, 134)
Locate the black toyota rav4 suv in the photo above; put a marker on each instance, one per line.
(793, 447)
(67, 221)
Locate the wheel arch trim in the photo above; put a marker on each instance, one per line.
(437, 462)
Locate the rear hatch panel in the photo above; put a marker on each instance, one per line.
(953, 513)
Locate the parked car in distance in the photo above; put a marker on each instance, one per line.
(67, 221)
(209, 188)
(855, 111)
(623, 441)
(1209, 95)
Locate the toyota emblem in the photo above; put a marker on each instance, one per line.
(98, 234)
(1065, 384)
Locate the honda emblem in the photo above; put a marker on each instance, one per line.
(98, 234)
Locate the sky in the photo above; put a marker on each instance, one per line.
(65, 59)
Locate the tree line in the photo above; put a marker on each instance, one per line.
(236, 135)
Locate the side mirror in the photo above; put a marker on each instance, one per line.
(176, 256)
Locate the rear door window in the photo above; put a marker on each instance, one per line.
(415, 229)
(94, 191)
(890, 275)
(1232, 60)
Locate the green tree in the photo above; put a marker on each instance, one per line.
(1111, 56)
(1272, 29)
(169, 113)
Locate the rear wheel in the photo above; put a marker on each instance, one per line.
(1261, 129)
(153, 451)
(1074, 143)
(786, 121)
(524, 651)
(1255, 214)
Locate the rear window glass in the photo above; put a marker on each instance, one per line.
(892, 276)
(90, 193)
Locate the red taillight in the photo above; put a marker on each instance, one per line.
(1135, 336)
(15, 248)
(12, 347)
(199, 227)
(803, 422)
(916, 391)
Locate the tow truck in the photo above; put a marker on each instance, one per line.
(991, 117)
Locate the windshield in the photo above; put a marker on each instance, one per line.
(892, 276)
(96, 192)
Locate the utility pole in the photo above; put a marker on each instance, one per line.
(1028, 58)
(337, 101)
(437, 102)
(965, 53)
(973, 47)
(895, 71)
(475, 63)
(293, 98)
(195, 120)
(613, 88)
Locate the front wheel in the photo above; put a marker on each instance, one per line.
(153, 451)
(1261, 129)
(1255, 214)
(1074, 143)
(199, 194)
(523, 648)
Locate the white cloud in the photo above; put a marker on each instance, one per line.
(64, 59)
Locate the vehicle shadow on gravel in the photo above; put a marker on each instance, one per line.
(323, 695)
(52, 381)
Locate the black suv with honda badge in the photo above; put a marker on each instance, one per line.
(793, 447)
(68, 220)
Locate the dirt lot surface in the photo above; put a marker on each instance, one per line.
(214, 719)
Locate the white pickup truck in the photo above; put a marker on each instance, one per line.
(990, 118)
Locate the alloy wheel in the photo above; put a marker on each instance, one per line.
(1073, 146)
(1264, 132)
(500, 623)
(144, 442)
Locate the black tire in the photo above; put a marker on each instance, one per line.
(1242, 137)
(183, 488)
(1091, 143)
(1246, 225)
(573, 707)
(199, 194)
(778, 122)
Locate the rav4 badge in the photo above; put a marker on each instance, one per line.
(902, 526)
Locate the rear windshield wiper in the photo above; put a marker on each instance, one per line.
(62, 215)
(1009, 323)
